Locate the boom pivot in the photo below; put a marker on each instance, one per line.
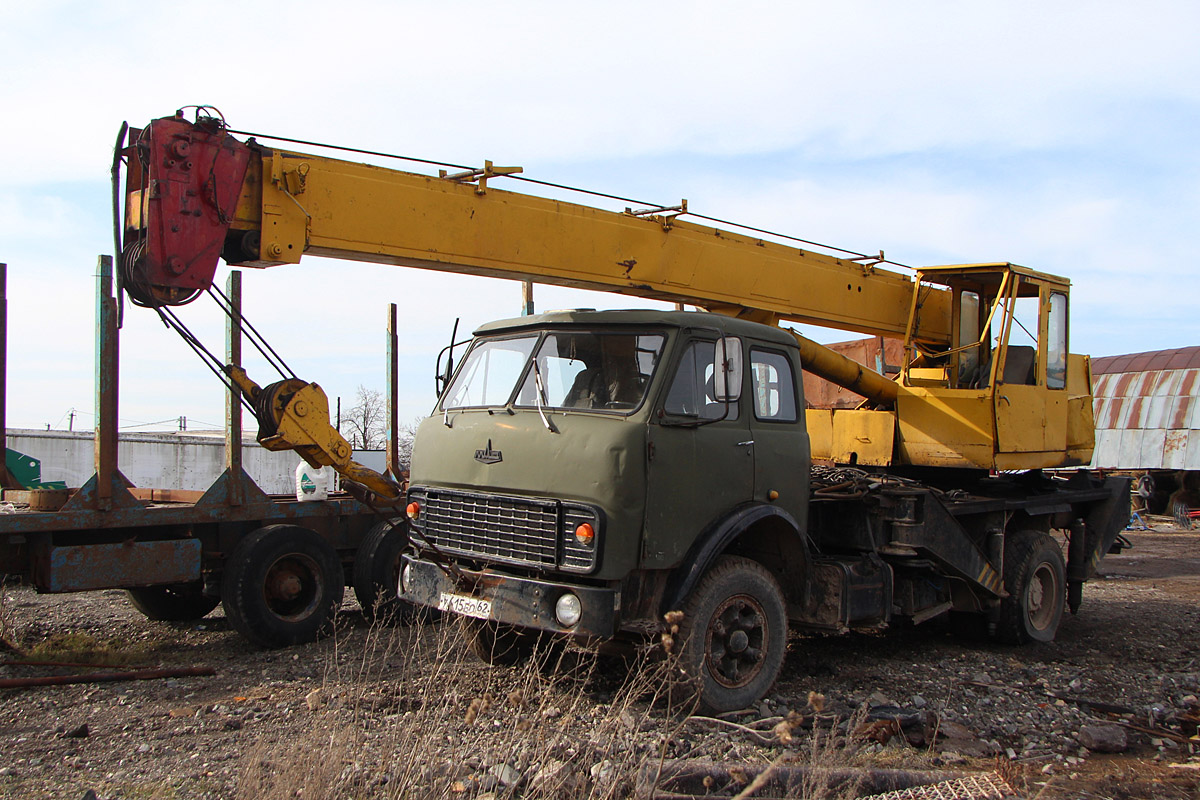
(294, 415)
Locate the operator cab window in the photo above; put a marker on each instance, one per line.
(773, 385)
(1056, 344)
(692, 393)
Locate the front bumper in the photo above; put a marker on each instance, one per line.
(524, 602)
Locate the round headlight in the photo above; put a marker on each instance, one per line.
(568, 609)
(405, 578)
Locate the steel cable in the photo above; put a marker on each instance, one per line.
(564, 187)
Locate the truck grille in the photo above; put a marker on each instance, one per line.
(515, 530)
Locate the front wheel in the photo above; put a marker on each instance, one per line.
(282, 585)
(509, 646)
(734, 634)
(1035, 578)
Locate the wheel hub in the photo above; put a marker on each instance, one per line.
(293, 587)
(1039, 598)
(736, 641)
(285, 586)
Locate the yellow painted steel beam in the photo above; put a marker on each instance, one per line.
(309, 205)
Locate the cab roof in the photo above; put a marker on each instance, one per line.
(986, 272)
(640, 318)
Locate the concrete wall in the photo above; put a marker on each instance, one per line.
(155, 460)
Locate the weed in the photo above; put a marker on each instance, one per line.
(409, 712)
(83, 648)
(8, 625)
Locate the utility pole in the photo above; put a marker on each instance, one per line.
(71, 420)
(527, 298)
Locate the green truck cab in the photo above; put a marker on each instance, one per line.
(585, 474)
(585, 470)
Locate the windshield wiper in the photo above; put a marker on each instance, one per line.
(539, 391)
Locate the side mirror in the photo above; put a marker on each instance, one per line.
(441, 377)
(727, 369)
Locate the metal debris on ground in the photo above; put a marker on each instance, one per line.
(987, 786)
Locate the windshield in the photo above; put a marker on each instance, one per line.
(490, 372)
(595, 371)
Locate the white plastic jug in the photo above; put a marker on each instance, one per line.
(311, 484)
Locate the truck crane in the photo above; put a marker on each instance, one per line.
(585, 473)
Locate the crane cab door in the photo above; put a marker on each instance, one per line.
(700, 455)
(1030, 375)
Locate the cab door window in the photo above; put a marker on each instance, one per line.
(692, 393)
(773, 385)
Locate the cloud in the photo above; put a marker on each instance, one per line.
(565, 81)
(1053, 135)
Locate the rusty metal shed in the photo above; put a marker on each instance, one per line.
(880, 354)
(1147, 408)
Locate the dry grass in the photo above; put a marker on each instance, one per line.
(409, 712)
(83, 648)
(8, 625)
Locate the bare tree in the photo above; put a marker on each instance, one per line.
(365, 425)
(404, 442)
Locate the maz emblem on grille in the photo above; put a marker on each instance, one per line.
(488, 455)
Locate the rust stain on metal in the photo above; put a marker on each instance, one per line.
(877, 353)
(1147, 410)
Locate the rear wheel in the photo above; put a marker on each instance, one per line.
(1035, 578)
(734, 634)
(282, 585)
(377, 565)
(176, 602)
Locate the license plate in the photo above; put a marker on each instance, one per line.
(467, 606)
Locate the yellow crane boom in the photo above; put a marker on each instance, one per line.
(195, 192)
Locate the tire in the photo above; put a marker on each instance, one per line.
(376, 576)
(733, 634)
(282, 585)
(177, 602)
(503, 645)
(1035, 578)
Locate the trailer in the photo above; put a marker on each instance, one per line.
(278, 565)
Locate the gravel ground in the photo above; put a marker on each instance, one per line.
(386, 712)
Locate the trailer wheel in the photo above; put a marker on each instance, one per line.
(509, 646)
(376, 577)
(734, 634)
(282, 585)
(177, 602)
(1035, 578)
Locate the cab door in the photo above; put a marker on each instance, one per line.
(699, 458)
(1030, 390)
(781, 446)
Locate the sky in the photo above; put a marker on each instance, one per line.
(1060, 136)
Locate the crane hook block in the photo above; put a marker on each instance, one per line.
(183, 182)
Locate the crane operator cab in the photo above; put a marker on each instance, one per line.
(1006, 388)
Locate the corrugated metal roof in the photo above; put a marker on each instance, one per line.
(1147, 409)
(1179, 358)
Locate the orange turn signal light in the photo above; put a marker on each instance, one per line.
(413, 510)
(585, 534)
